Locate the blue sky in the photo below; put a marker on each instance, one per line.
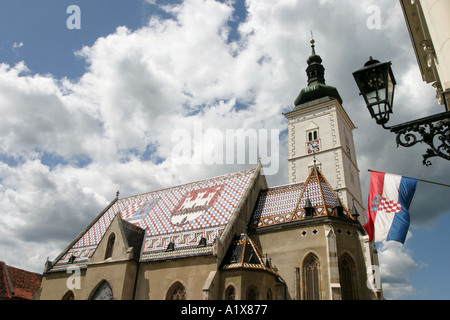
(90, 111)
(50, 45)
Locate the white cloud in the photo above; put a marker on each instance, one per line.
(17, 45)
(397, 268)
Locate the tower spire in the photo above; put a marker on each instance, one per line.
(312, 41)
(316, 80)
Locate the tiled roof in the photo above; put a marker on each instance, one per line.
(286, 204)
(179, 221)
(245, 254)
(16, 283)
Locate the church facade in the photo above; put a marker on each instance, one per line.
(233, 237)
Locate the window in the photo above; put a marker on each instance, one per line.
(69, 296)
(110, 246)
(311, 274)
(103, 292)
(230, 293)
(176, 292)
(313, 135)
(269, 294)
(252, 293)
(347, 278)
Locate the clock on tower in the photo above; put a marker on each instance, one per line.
(313, 146)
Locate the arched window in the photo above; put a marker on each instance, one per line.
(176, 292)
(110, 246)
(311, 275)
(313, 135)
(230, 293)
(252, 293)
(347, 278)
(103, 292)
(269, 294)
(69, 296)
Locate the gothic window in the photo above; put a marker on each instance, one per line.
(252, 293)
(230, 293)
(69, 296)
(269, 294)
(103, 292)
(176, 292)
(311, 274)
(347, 278)
(110, 246)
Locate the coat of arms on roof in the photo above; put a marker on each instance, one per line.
(194, 204)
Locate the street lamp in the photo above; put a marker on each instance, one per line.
(376, 83)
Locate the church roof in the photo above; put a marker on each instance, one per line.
(245, 254)
(289, 203)
(178, 221)
(185, 220)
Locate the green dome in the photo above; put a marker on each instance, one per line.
(317, 91)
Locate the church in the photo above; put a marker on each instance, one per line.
(233, 237)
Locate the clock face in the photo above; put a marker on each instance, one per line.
(313, 146)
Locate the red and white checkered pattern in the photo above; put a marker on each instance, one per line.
(153, 211)
(390, 206)
(285, 204)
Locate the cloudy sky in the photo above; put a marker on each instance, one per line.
(89, 111)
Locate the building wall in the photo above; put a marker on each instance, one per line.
(437, 17)
(262, 282)
(429, 29)
(156, 278)
(289, 246)
(119, 275)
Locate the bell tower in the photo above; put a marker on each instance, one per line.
(321, 134)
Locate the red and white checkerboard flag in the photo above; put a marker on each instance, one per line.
(390, 196)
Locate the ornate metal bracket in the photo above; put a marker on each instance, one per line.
(433, 130)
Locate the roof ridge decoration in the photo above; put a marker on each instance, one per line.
(288, 206)
(184, 215)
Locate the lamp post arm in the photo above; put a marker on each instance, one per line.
(433, 130)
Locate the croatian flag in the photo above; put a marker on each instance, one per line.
(387, 208)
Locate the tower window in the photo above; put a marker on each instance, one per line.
(313, 135)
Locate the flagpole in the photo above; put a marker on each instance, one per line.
(421, 180)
